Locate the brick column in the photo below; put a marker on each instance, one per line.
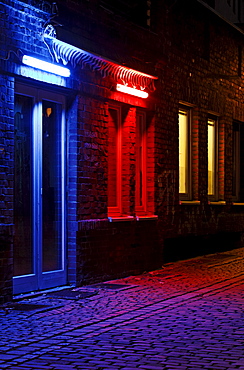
(6, 186)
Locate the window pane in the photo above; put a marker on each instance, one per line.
(211, 157)
(23, 255)
(140, 160)
(51, 184)
(112, 157)
(183, 151)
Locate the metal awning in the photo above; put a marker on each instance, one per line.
(67, 53)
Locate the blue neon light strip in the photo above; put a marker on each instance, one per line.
(45, 66)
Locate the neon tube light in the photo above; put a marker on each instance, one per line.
(45, 66)
(132, 91)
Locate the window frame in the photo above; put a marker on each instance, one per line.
(187, 110)
(39, 277)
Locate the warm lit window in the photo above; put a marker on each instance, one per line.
(212, 158)
(141, 162)
(114, 161)
(184, 154)
(236, 162)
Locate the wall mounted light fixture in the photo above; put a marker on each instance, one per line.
(132, 91)
(45, 66)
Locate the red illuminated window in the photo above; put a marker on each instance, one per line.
(114, 161)
(141, 162)
(130, 156)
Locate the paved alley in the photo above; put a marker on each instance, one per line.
(187, 315)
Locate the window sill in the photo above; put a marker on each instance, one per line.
(120, 219)
(190, 202)
(146, 218)
(217, 203)
(132, 218)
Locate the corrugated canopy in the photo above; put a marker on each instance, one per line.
(70, 54)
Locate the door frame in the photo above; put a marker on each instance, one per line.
(39, 280)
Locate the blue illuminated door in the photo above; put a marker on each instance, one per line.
(39, 190)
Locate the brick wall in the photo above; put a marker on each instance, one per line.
(205, 55)
(92, 169)
(109, 250)
(6, 186)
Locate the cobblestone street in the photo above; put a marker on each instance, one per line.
(187, 315)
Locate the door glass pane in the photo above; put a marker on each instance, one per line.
(51, 186)
(23, 255)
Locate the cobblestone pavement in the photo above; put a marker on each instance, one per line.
(187, 315)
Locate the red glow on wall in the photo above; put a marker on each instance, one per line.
(141, 163)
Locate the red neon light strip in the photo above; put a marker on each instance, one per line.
(132, 91)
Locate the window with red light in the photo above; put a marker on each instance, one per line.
(130, 161)
(141, 163)
(114, 161)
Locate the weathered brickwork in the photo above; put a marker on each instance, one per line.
(207, 77)
(198, 60)
(209, 90)
(6, 186)
(112, 249)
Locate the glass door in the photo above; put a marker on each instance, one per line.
(39, 206)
